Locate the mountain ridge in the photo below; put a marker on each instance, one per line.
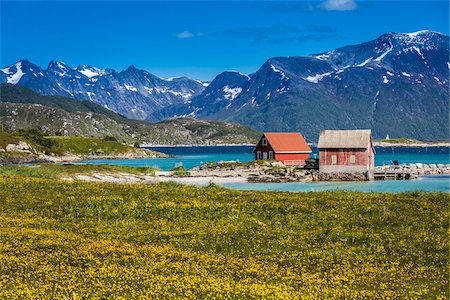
(131, 92)
(396, 84)
(21, 108)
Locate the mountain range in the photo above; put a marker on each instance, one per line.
(396, 84)
(132, 92)
(22, 108)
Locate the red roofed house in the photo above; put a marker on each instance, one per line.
(290, 148)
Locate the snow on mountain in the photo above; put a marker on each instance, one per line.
(14, 73)
(132, 92)
(218, 94)
(231, 93)
(90, 72)
(408, 73)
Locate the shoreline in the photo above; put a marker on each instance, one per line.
(43, 158)
(376, 144)
(194, 145)
(406, 145)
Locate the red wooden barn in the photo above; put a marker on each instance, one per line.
(290, 148)
(346, 151)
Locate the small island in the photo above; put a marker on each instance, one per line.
(408, 142)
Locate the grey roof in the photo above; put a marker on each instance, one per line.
(345, 138)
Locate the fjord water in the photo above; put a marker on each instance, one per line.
(192, 156)
(429, 183)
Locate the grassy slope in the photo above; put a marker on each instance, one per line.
(7, 138)
(85, 118)
(86, 146)
(72, 145)
(17, 94)
(169, 241)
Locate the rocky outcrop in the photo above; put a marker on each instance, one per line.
(343, 176)
(20, 147)
(417, 168)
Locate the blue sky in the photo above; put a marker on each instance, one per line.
(200, 39)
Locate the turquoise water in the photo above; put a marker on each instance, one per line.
(188, 161)
(431, 183)
(191, 157)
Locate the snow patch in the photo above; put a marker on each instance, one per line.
(231, 93)
(376, 98)
(130, 88)
(281, 90)
(365, 62)
(283, 76)
(318, 77)
(379, 58)
(90, 95)
(91, 71)
(415, 34)
(66, 90)
(205, 84)
(324, 56)
(418, 51)
(15, 77)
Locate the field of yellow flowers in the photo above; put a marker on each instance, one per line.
(79, 240)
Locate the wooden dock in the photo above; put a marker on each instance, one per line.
(389, 174)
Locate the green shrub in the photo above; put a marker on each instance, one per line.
(109, 138)
(180, 171)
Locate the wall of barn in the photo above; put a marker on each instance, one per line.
(364, 160)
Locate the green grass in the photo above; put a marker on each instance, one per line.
(58, 170)
(65, 145)
(6, 138)
(88, 146)
(180, 171)
(98, 240)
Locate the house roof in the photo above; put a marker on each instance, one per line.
(345, 139)
(287, 142)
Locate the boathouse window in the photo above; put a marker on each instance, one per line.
(258, 155)
(270, 154)
(352, 159)
(264, 142)
(334, 159)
